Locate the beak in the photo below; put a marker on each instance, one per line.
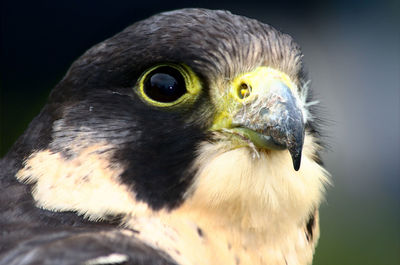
(269, 116)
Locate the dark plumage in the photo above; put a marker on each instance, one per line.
(131, 159)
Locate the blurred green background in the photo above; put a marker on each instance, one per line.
(352, 51)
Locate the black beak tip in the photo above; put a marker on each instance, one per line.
(296, 158)
(296, 163)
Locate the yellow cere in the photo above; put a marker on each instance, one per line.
(243, 85)
(192, 82)
(243, 89)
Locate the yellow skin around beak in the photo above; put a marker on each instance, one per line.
(262, 107)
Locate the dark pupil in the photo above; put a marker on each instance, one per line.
(165, 84)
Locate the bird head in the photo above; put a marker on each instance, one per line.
(146, 114)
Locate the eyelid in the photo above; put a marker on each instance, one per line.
(192, 82)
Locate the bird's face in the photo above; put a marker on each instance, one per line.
(151, 110)
(261, 109)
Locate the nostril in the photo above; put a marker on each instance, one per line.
(244, 90)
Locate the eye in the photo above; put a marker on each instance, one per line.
(164, 84)
(169, 85)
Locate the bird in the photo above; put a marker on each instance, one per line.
(191, 137)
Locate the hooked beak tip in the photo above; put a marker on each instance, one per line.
(295, 149)
(296, 158)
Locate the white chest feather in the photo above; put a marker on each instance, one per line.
(257, 191)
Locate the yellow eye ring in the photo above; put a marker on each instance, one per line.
(169, 85)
